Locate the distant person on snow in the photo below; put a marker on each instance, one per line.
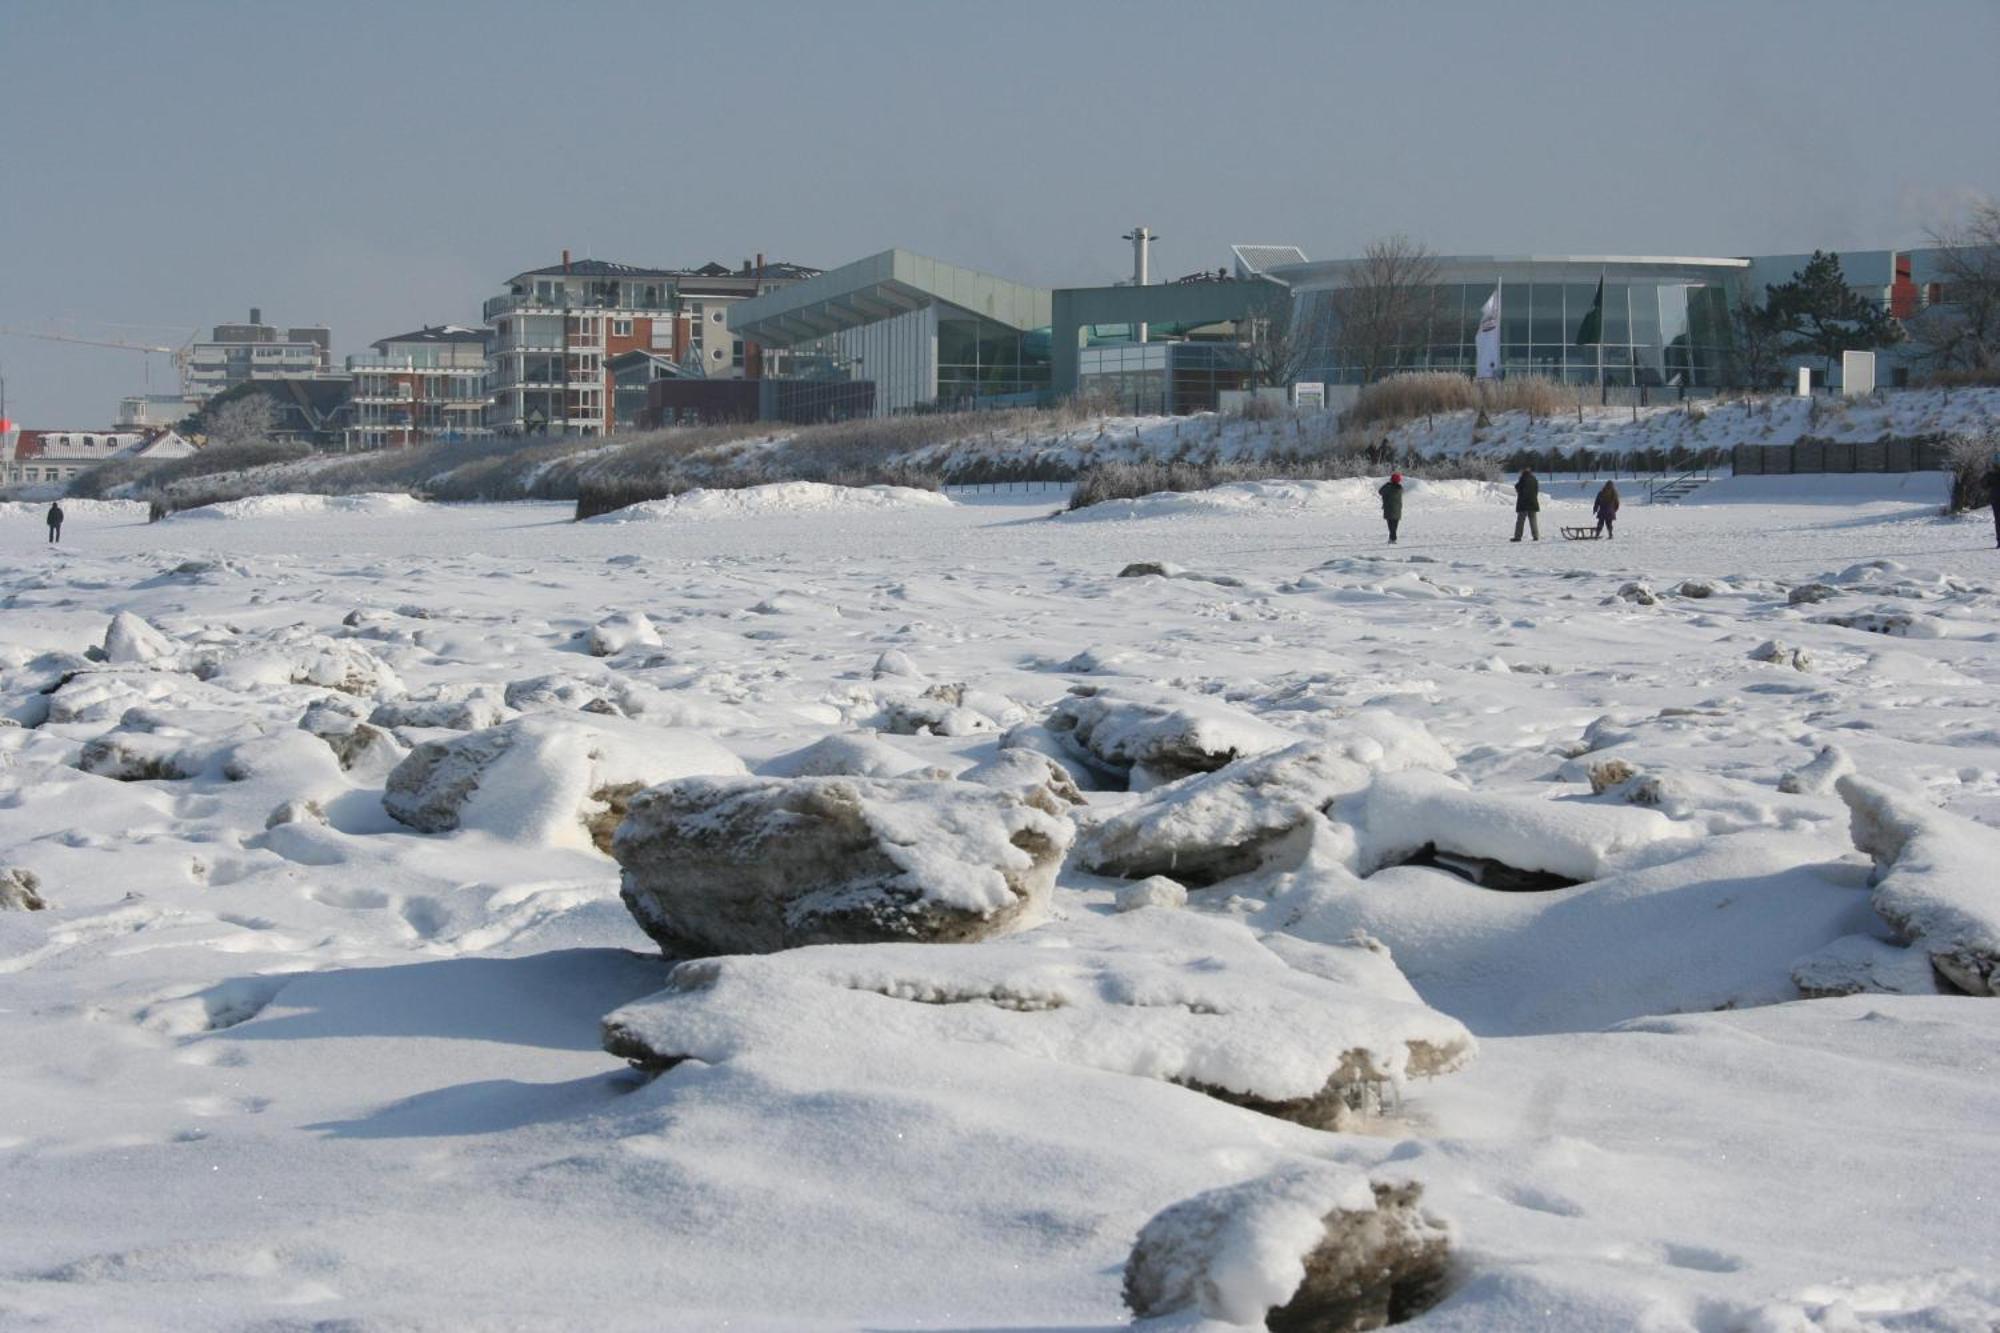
(1606, 509)
(1527, 504)
(1993, 495)
(55, 522)
(1392, 503)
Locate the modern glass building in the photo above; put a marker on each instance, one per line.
(1664, 321)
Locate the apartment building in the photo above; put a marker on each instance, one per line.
(238, 353)
(420, 387)
(556, 330)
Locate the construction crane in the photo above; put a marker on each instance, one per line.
(178, 355)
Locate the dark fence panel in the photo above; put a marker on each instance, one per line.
(1924, 453)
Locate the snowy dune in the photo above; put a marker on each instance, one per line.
(275, 1057)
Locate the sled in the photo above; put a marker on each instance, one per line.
(1580, 534)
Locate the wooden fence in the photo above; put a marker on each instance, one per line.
(1919, 454)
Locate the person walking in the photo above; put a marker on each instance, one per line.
(55, 522)
(1392, 503)
(1993, 495)
(1527, 504)
(1606, 509)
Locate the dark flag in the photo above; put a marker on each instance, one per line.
(1592, 328)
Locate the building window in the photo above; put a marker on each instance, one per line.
(621, 328)
(715, 316)
(716, 354)
(736, 352)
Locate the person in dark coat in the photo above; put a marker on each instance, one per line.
(1392, 503)
(55, 522)
(1993, 495)
(1527, 504)
(1606, 509)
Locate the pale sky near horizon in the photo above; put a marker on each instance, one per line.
(374, 166)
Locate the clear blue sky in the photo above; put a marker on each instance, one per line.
(379, 166)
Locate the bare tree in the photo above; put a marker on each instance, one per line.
(1280, 333)
(249, 419)
(1962, 331)
(1383, 311)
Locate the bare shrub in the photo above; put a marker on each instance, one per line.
(1261, 409)
(1970, 457)
(1401, 398)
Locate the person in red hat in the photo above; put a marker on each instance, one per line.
(1392, 504)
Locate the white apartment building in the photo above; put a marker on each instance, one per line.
(236, 353)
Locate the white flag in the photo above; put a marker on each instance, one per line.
(1488, 343)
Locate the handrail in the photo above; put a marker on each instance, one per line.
(1700, 471)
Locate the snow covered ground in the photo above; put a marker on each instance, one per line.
(272, 1059)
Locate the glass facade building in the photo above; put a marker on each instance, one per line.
(1663, 322)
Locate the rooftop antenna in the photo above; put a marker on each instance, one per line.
(1142, 239)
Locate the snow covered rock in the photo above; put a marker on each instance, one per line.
(1212, 826)
(1639, 594)
(130, 641)
(130, 754)
(546, 778)
(1313, 1246)
(1857, 964)
(1140, 569)
(621, 633)
(561, 693)
(1781, 654)
(1817, 778)
(1153, 891)
(347, 668)
(1311, 1033)
(896, 662)
(853, 754)
(1935, 882)
(445, 708)
(1154, 736)
(1897, 624)
(751, 865)
(1036, 778)
(356, 744)
(1808, 593)
(1696, 588)
(948, 710)
(1402, 814)
(295, 812)
(21, 891)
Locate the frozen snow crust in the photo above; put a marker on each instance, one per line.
(1329, 929)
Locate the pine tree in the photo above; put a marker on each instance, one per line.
(1818, 314)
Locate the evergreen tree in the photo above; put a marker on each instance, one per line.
(1818, 314)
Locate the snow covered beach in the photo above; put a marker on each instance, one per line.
(269, 1072)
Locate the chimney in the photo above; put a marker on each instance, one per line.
(746, 268)
(760, 263)
(565, 261)
(256, 315)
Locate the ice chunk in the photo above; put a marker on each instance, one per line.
(21, 891)
(551, 778)
(1402, 813)
(1311, 1246)
(621, 633)
(1308, 1032)
(1935, 882)
(1154, 736)
(855, 754)
(130, 641)
(755, 864)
